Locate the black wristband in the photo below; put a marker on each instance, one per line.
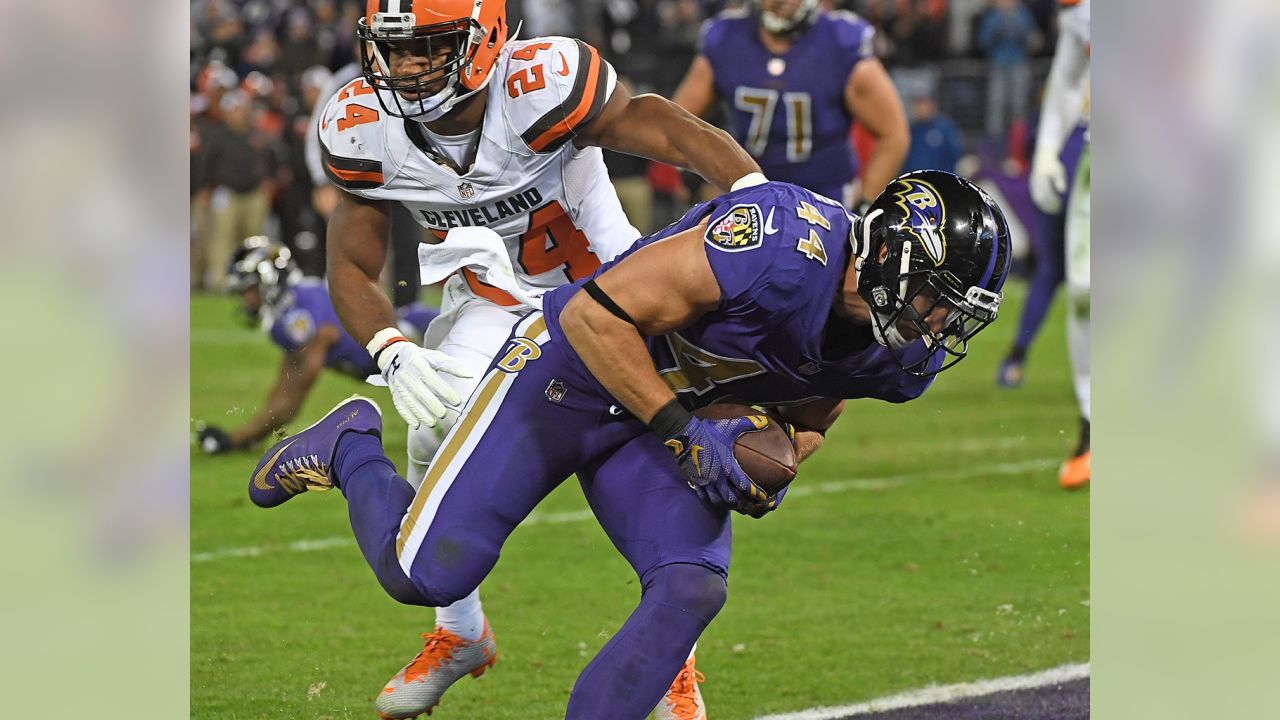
(670, 420)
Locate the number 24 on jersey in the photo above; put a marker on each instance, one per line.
(356, 114)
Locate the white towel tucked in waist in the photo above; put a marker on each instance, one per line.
(481, 250)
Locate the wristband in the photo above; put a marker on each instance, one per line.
(748, 180)
(383, 339)
(670, 420)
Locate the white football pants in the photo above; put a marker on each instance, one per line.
(469, 329)
(1077, 267)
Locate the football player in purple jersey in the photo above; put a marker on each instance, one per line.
(298, 316)
(771, 295)
(793, 78)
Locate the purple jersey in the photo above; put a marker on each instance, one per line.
(779, 254)
(789, 110)
(307, 309)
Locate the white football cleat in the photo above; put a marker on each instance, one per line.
(445, 659)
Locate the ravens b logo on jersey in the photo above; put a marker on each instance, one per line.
(736, 230)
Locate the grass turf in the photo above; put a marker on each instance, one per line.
(926, 543)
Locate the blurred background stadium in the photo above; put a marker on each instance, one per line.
(897, 564)
(260, 66)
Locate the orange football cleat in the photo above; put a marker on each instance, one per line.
(1075, 472)
(683, 700)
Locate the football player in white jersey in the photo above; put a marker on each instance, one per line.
(1065, 105)
(469, 130)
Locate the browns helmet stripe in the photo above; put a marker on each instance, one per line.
(584, 104)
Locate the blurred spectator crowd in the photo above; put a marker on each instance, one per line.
(968, 71)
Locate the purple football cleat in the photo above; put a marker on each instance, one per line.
(1010, 374)
(304, 461)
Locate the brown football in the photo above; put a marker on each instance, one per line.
(766, 456)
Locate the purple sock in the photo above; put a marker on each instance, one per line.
(632, 672)
(377, 500)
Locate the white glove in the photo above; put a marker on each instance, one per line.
(1048, 182)
(413, 374)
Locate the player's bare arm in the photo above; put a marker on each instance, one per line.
(697, 91)
(663, 287)
(873, 101)
(811, 420)
(653, 127)
(299, 370)
(358, 236)
(357, 249)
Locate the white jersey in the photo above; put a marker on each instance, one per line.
(551, 202)
(1073, 18)
(1073, 21)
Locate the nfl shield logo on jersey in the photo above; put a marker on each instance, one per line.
(555, 391)
(466, 191)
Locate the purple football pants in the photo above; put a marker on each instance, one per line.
(535, 419)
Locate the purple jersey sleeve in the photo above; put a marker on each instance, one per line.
(764, 246)
(294, 328)
(854, 36)
(712, 36)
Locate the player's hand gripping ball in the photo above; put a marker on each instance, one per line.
(736, 457)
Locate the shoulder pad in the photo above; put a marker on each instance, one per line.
(768, 244)
(853, 33)
(351, 143)
(716, 29)
(554, 87)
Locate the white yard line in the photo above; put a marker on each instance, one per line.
(942, 694)
(560, 518)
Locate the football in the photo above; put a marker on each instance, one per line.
(766, 456)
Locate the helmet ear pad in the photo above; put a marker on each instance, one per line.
(876, 281)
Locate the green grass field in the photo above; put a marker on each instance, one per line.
(926, 543)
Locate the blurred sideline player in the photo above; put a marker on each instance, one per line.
(1047, 235)
(298, 316)
(468, 130)
(1065, 106)
(725, 303)
(794, 77)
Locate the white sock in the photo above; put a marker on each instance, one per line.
(464, 618)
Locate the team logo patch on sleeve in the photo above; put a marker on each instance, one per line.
(299, 327)
(736, 230)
